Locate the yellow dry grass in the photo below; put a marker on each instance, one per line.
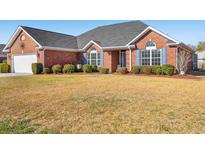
(105, 103)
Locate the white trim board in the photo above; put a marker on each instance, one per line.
(90, 43)
(14, 36)
(153, 29)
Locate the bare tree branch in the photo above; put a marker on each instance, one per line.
(183, 60)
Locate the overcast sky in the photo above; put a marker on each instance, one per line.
(190, 32)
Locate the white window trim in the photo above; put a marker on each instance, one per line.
(96, 53)
(150, 49)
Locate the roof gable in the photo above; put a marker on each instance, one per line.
(112, 35)
(52, 39)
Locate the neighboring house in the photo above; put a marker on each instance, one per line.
(118, 45)
(2, 54)
(201, 59)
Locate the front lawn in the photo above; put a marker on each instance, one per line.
(101, 104)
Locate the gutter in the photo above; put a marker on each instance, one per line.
(118, 47)
(60, 49)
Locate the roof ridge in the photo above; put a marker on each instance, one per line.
(131, 21)
(46, 30)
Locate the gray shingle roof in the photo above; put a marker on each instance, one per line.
(52, 39)
(106, 36)
(1, 48)
(112, 35)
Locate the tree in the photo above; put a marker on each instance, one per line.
(183, 59)
(200, 46)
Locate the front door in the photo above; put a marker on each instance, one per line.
(123, 58)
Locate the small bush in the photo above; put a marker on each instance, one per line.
(168, 69)
(156, 70)
(46, 70)
(4, 61)
(94, 68)
(147, 69)
(37, 68)
(122, 70)
(136, 69)
(69, 68)
(4, 68)
(103, 70)
(57, 69)
(87, 68)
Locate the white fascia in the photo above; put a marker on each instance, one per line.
(118, 47)
(90, 43)
(155, 30)
(13, 37)
(61, 49)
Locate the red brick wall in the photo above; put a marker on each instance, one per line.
(161, 42)
(61, 57)
(171, 56)
(29, 45)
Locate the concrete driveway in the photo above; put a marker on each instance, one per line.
(13, 74)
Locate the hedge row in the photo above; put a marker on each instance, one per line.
(37, 68)
(158, 70)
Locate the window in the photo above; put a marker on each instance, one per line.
(156, 57)
(93, 57)
(146, 57)
(151, 55)
(150, 44)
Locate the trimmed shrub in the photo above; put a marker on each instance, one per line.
(147, 69)
(4, 68)
(4, 61)
(46, 70)
(122, 70)
(69, 68)
(103, 70)
(136, 69)
(168, 69)
(87, 68)
(94, 68)
(37, 68)
(156, 70)
(57, 69)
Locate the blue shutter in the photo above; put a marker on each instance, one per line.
(84, 58)
(101, 58)
(137, 57)
(164, 56)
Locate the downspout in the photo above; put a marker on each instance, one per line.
(177, 51)
(130, 58)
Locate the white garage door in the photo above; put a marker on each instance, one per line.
(22, 63)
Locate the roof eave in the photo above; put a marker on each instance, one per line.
(60, 49)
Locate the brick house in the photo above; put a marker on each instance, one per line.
(112, 46)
